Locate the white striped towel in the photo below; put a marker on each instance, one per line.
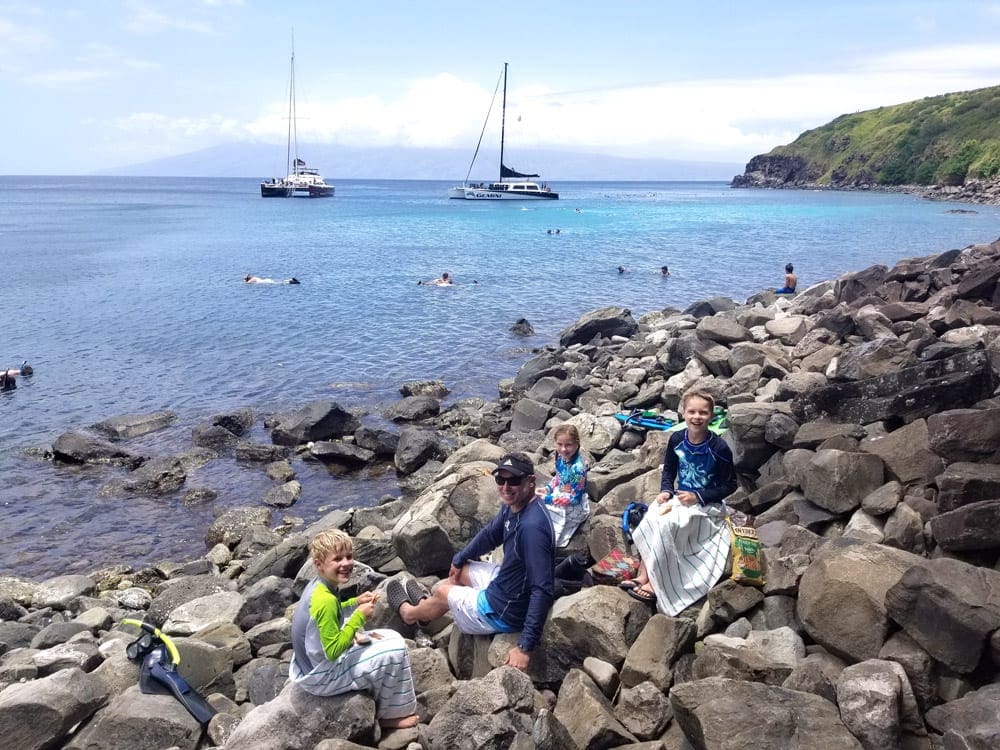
(684, 550)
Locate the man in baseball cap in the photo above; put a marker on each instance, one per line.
(485, 598)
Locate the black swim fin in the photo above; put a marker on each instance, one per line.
(197, 706)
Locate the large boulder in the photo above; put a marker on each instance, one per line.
(78, 448)
(913, 392)
(963, 483)
(600, 621)
(415, 448)
(445, 518)
(972, 527)
(319, 420)
(763, 656)
(949, 607)
(598, 435)
(605, 322)
(588, 714)
(133, 425)
(39, 713)
(971, 721)
(296, 719)
(842, 596)
(838, 481)
(144, 722)
(747, 435)
(487, 713)
(413, 408)
(907, 453)
(877, 704)
(718, 714)
(965, 434)
(653, 655)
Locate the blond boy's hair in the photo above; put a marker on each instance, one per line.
(694, 393)
(330, 542)
(567, 430)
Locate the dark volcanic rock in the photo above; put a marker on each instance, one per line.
(133, 425)
(949, 607)
(605, 322)
(78, 448)
(320, 420)
(909, 394)
(414, 408)
(971, 527)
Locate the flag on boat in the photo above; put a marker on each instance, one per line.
(510, 174)
(299, 162)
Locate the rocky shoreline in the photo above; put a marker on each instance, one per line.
(795, 173)
(865, 427)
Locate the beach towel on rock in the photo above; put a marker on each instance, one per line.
(685, 551)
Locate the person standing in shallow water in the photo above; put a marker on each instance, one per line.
(791, 280)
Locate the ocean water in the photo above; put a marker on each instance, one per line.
(127, 296)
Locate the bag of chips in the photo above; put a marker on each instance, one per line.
(748, 558)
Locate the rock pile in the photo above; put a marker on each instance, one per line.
(865, 429)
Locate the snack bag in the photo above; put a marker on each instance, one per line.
(748, 558)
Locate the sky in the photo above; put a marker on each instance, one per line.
(98, 84)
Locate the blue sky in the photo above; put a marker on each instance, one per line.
(103, 83)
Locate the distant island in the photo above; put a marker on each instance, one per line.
(944, 146)
(263, 160)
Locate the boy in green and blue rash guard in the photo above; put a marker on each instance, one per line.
(328, 658)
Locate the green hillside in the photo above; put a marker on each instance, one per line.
(941, 140)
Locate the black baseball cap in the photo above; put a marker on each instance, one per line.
(517, 464)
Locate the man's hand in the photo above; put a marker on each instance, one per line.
(518, 659)
(454, 574)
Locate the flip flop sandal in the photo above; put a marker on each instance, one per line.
(629, 585)
(642, 595)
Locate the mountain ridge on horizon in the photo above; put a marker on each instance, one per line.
(264, 161)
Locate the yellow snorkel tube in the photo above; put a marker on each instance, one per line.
(175, 655)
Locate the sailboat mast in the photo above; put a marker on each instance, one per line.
(295, 122)
(291, 119)
(503, 118)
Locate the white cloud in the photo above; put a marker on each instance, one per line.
(722, 119)
(145, 19)
(64, 76)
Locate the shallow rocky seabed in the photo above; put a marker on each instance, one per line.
(865, 428)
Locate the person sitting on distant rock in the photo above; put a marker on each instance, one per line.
(791, 280)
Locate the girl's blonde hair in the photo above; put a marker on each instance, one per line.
(567, 430)
(330, 542)
(694, 393)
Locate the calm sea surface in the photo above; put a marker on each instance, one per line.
(127, 296)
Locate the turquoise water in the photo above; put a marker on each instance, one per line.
(127, 296)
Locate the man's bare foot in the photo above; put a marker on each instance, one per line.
(401, 723)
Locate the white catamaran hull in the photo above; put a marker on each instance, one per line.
(506, 193)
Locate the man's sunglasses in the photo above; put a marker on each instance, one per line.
(512, 481)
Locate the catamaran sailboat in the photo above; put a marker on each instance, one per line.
(513, 185)
(301, 180)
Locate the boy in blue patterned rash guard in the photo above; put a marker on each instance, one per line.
(485, 598)
(683, 539)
